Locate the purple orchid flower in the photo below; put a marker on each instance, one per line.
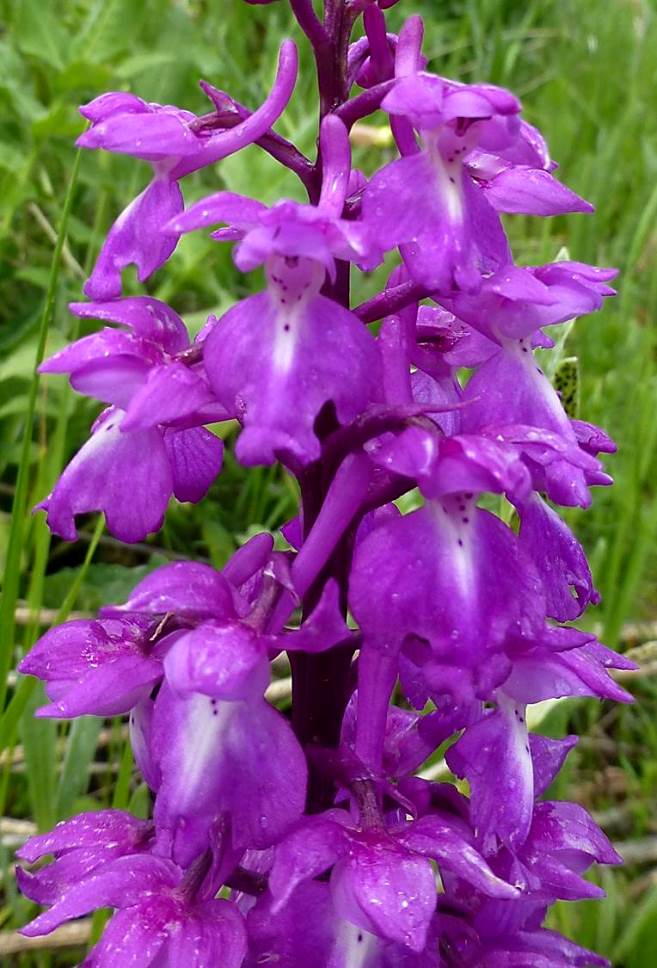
(530, 945)
(161, 918)
(176, 143)
(441, 211)
(216, 668)
(132, 476)
(498, 745)
(101, 667)
(148, 445)
(510, 384)
(81, 846)
(277, 357)
(371, 60)
(106, 666)
(513, 303)
(363, 860)
(216, 742)
(336, 847)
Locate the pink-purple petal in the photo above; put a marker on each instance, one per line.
(195, 458)
(137, 237)
(187, 588)
(148, 318)
(387, 892)
(127, 476)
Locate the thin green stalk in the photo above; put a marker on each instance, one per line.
(13, 561)
(12, 714)
(119, 802)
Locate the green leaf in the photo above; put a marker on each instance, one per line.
(20, 363)
(27, 685)
(10, 157)
(219, 540)
(80, 748)
(111, 27)
(38, 738)
(140, 802)
(39, 33)
(143, 61)
(638, 929)
(61, 120)
(82, 75)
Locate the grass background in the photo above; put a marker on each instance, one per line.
(586, 71)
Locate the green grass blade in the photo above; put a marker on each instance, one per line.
(15, 543)
(18, 703)
(39, 745)
(81, 745)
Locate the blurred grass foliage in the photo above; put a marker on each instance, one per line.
(587, 73)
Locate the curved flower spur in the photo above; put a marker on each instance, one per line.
(176, 143)
(309, 838)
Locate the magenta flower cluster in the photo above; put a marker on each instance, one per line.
(310, 839)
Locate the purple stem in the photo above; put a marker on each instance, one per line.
(332, 516)
(396, 342)
(339, 507)
(282, 150)
(321, 683)
(310, 23)
(350, 438)
(364, 104)
(330, 42)
(391, 301)
(376, 679)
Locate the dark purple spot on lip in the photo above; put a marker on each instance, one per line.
(465, 520)
(460, 543)
(287, 327)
